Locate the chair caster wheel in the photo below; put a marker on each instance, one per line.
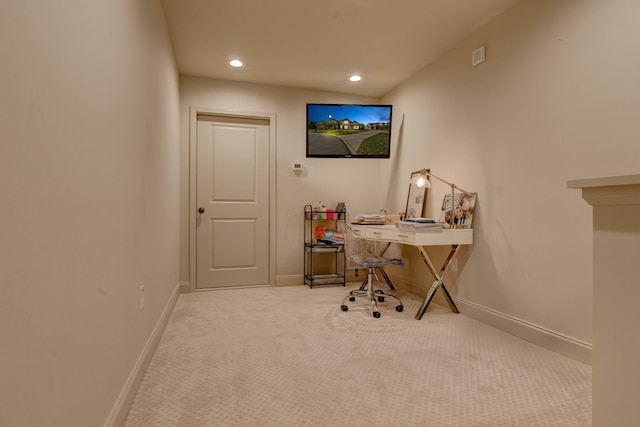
(399, 308)
(344, 307)
(376, 314)
(380, 299)
(352, 299)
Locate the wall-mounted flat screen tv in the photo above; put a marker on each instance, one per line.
(348, 130)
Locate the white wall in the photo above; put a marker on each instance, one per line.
(89, 181)
(557, 99)
(329, 180)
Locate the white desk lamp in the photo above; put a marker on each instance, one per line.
(421, 180)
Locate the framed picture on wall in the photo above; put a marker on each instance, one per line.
(416, 199)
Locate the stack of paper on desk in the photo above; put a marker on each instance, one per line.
(419, 224)
(370, 219)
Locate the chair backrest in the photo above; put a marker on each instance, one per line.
(369, 252)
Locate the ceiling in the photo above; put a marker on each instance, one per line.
(319, 44)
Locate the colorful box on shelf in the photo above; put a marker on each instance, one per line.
(329, 235)
(325, 214)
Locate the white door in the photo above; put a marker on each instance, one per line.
(232, 186)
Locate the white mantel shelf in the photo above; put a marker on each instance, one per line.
(616, 296)
(607, 181)
(611, 190)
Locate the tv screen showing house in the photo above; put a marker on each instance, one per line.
(348, 130)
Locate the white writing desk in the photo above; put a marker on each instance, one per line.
(454, 238)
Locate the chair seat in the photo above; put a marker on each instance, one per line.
(374, 261)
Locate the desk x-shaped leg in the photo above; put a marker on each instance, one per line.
(439, 283)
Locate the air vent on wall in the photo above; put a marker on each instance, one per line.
(478, 56)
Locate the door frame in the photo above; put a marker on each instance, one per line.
(193, 123)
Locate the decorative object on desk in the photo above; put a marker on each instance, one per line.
(463, 207)
(421, 179)
(417, 195)
(392, 219)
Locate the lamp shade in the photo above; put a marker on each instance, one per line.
(421, 180)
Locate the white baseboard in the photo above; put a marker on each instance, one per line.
(536, 334)
(120, 410)
(184, 287)
(551, 340)
(290, 280)
(298, 279)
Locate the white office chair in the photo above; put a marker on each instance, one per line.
(370, 254)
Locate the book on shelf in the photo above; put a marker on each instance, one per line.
(321, 248)
(329, 236)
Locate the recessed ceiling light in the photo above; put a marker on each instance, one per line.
(355, 78)
(236, 63)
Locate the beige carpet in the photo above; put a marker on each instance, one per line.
(290, 357)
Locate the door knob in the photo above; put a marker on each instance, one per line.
(201, 210)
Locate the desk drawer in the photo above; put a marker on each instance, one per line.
(374, 233)
(405, 237)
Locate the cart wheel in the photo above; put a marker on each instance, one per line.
(352, 299)
(380, 299)
(344, 307)
(399, 308)
(376, 314)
